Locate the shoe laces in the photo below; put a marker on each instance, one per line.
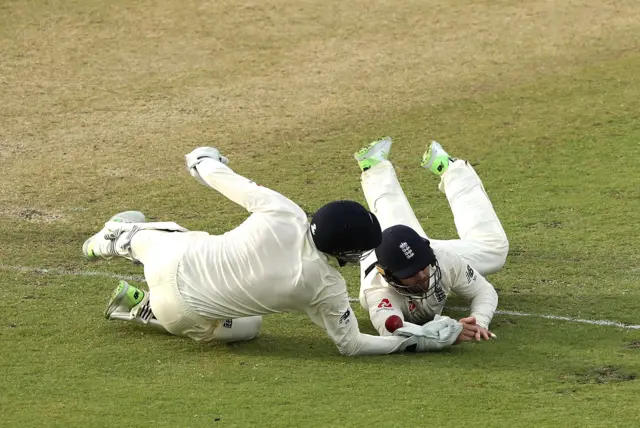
(113, 235)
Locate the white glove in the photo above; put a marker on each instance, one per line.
(435, 335)
(408, 341)
(200, 154)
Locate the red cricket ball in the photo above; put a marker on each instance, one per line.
(393, 323)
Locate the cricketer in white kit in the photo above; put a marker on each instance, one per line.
(410, 275)
(217, 287)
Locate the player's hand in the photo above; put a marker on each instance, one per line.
(470, 326)
(468, 332)
(468, 320)
(197, 155)
(483, 334)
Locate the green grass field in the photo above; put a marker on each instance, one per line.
(99, 101)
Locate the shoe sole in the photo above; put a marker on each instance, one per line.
(116, 300)
(429, 154)
(365, 153)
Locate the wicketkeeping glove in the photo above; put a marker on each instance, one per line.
(435, 335)
(198, 155)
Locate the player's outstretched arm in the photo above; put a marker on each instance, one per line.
(335, 315)
(209, 168)
(342, 327)
(467, 283)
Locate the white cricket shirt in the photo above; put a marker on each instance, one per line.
(269, 264)
(382, 300)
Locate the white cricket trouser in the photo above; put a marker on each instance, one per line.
(160, 252)
(483, 243)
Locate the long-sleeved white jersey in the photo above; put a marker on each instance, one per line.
(382, 300)
(269, 264)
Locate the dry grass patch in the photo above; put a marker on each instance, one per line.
(103, 96)
(137, 83)
(34, 215)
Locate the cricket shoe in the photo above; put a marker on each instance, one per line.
(374, 153)
(436, 159)
(103, 243)
(129, 303)
(124, 298)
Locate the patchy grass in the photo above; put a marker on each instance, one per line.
(600, 375)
